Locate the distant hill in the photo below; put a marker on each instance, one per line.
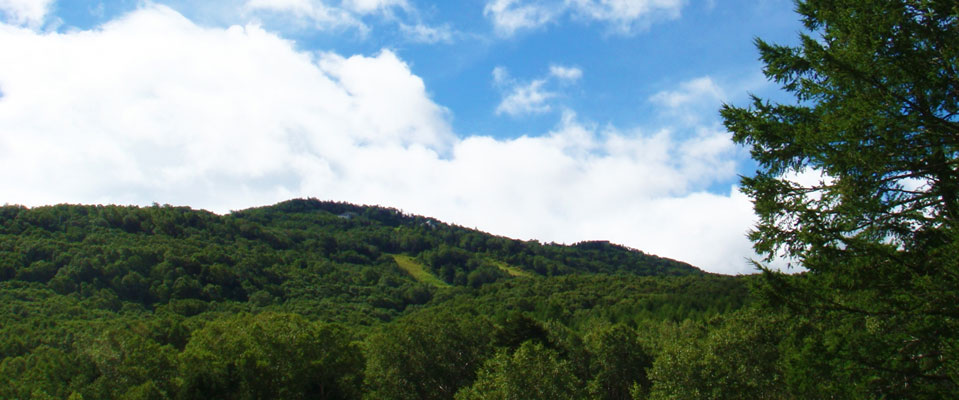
(320, 299)
(325, 250)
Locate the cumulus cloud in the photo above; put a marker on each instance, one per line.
(531, 97)
(632, 187)
(526, 99)
(152, 105)
(25, 12)
(153, 108)
(622, 16)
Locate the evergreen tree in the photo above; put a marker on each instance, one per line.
(876, 122)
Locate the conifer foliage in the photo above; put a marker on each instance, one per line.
(876, 125)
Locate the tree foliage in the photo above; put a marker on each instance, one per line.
(737, 358)
(876, 123)
(270, 356)
(619, 363)
(532, 372)
(427, 356)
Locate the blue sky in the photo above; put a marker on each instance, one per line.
(624, 67)
(534, 119)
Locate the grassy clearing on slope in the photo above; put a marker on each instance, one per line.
(513, 271)
(417, 270)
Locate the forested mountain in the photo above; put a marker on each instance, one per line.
(366, 256)
(307, 299)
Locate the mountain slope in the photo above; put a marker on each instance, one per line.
(170, 302)
(337, 252)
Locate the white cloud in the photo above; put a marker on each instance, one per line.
(371, 6)
(578, 182)
(153, 105)
(690, 101)
(697, 90)
(626, 16)
(565, 73)
(622, 16)
(501, 75)
(25, 12)
(320, 9)
(319, 14)
(809, 177)
(531, 97)
(421, 33)
(510, 16)
(526, 99)
(152, 108)
(322, 16)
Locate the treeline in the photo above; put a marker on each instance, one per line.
(158, 254)
(306, 299)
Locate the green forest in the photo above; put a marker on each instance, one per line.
(312, 299)
(329, 300)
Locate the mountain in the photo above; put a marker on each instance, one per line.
(312, 299)
(296, 248)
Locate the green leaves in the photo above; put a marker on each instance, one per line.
(876, 85)
(427, 356)
(164, 302)
(738, 358)
(276, 356)
(532, 372)
(619, 363)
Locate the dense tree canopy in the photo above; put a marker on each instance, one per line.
(310, 299)
(532, 372)
(876, 124)
(278, 356)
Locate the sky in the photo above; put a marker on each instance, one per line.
(550, 120)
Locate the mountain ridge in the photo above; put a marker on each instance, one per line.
(132, 302)
(342, 252)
